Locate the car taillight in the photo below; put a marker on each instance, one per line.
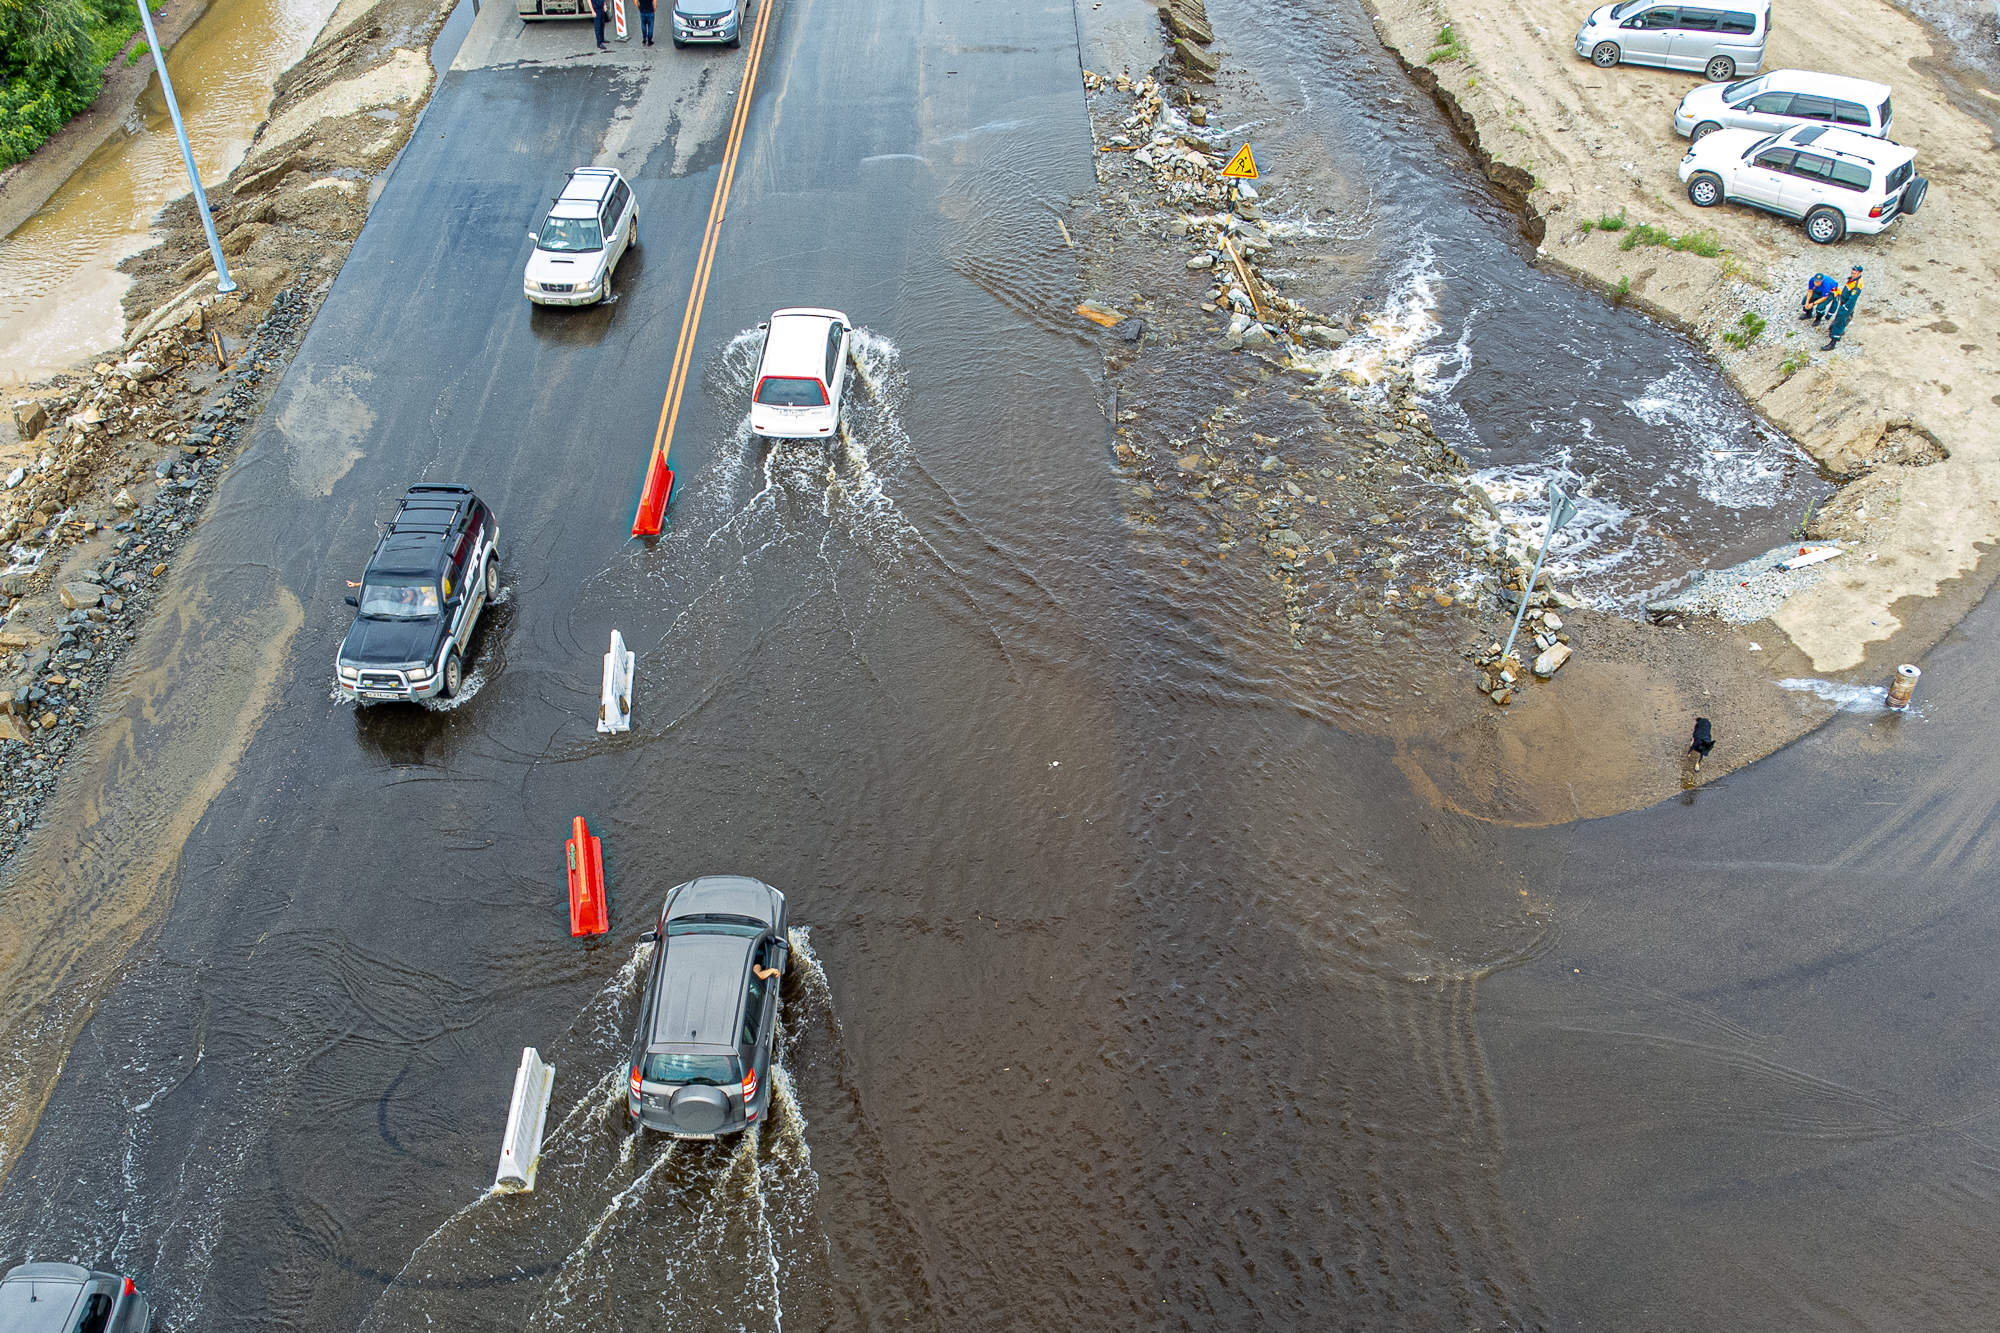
(635, 1080)
(750, 1085)
(1876, 211)
(131, 1288)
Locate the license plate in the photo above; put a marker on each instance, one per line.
(380, 694)
(705, 1138)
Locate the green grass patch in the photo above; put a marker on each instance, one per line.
(1794, 363)
(1749, 328)
(1448, 46)
(1704, 243)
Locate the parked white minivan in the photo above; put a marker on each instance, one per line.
(801, 374)
(1722, 41)
(1784, 98)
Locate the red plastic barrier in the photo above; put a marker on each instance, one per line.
(653, 497)
(589, 913)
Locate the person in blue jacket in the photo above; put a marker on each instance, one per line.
(1817, 291)
(1844, 300)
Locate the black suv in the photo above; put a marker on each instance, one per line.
(69, 1298)
(701, 1060)
(432, 573)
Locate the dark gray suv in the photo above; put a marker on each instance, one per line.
(69, 1298)
(701, 1059)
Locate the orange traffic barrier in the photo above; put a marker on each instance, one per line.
(589, 913)
(653, 497)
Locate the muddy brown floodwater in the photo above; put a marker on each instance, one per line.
(59, 279)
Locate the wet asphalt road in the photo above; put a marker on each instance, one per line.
(1131, 999)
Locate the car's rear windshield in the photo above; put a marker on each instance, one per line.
(783, 391)
(715, 924)
(570, 234)
(399, 599)
(716, 1071)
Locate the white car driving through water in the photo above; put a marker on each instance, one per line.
(590, 226)
(801, 374)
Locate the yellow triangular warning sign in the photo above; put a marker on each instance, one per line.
(1242, 166)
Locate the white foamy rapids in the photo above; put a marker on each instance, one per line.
(1733, 464)
(1592, 543)
(1391, 337)
(1847, 698)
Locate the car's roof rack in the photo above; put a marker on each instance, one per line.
(447, 487)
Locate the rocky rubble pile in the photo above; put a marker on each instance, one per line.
(1500, 674)
(124, 463)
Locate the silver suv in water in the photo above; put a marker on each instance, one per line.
(701, 1059)
(69, 1298)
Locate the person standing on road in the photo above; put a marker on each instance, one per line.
(599, 11)
(1817, 291)
(1845, 300)
(645, 22)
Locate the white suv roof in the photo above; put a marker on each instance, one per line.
(1849, 144)
(586, 186)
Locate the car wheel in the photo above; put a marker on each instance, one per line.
(1604, 55)
(1719, 69)
(733, 43)
(1913, 194)
(1703, 130)
(680, 45)
(1825, 225)
(634, 242)
(454, 676)
(492, 577)
(1705, 189)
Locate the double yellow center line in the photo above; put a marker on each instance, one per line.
(670, 409)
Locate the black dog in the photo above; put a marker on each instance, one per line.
(1703, 742)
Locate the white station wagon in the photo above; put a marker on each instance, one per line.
(590, 226)
(1836, 180)
(1784, 98)
(801, 374)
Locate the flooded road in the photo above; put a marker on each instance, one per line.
(1128, 992)
(59, 281)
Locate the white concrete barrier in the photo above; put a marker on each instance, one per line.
(521, 1147)
(614, 710)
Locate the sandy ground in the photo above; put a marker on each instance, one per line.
(1919, 364)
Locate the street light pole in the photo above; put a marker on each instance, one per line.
(226, 283)
(1561, 510)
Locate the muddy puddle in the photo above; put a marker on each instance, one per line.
(59, 281)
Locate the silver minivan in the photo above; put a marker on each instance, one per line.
(1721, 41)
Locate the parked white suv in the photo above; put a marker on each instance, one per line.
(1722, 40)
(591, 225)
(1784, 98)
(801, 374)
(1837, 180)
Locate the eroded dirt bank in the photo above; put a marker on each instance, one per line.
(1904, 412)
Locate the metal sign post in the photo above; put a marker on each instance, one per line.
(227, 283)
(1561, 510)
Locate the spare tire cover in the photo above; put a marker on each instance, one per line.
(698, 1109)
(1914, 192)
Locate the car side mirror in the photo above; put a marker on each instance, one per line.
(352, 600)
(453, 602)
(651, 936)
(764, 327)
(534, 235)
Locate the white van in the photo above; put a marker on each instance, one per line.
(1721, 41)
(801, 374)
(1784, 98)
